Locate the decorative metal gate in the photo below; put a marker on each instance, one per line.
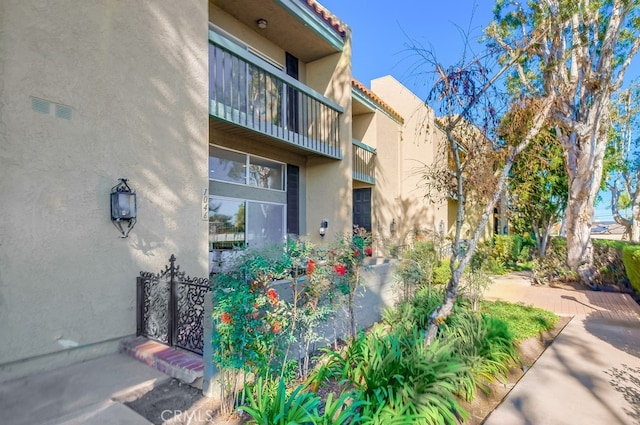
(170, 307)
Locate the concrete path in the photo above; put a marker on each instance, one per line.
(83, 393)
(591, 372)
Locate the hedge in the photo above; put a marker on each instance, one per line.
(631, 260)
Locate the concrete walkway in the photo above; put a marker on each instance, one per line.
(591, 372)
(90, 392)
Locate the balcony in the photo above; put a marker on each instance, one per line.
(364, 162)
(247, 91)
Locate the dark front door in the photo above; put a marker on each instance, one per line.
(362, 208)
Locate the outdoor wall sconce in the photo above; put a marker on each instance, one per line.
(123, 207)
(262, 23)
(323, 227)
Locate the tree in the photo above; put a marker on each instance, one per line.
(477, 163)
(538, 182)
(582, 51)
(624, 173)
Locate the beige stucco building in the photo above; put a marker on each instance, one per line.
(237, 123)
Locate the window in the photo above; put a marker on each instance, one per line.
(252, 216)
(227, 166)
(240, 168)
(266, 174)
(265, 224)
(227, 223)
(235, 223)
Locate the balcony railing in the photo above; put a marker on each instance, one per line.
(364, 162)
(248, 91)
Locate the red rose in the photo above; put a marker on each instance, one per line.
(368, 251)
(226, 317)
(340, 269)
(273, 296)
(276, 328)
(356, 253)
(311, 266)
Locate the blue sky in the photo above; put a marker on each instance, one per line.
(383, 31)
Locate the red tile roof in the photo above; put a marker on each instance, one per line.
(371, 95)
(333, 21)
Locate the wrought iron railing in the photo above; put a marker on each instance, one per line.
(364, 162)
(248, 91)
(170, 307)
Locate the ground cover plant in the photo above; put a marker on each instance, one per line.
(389, 376)
(386, 375)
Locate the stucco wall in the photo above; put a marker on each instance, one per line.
(134, 75)
(329, 182)
(417, 147)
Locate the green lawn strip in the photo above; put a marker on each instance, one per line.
(522, 321)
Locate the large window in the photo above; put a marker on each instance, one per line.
(235, 223)
(254, 215)
(227, 219)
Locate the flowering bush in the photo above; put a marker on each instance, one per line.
(255, 329)
(248, 318)
(345, 258)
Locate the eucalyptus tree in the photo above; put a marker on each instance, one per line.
(624, 159)
(581, 53)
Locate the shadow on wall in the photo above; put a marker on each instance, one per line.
(170, 142)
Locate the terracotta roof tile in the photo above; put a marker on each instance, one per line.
(333, 21)
(371, 95)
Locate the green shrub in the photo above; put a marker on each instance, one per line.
(398, 376)
(485, 345)
(414, 313)
(631, 259)
(269, 406)
(608, 263)
(502, 248)
(442, 273)
(553, 266)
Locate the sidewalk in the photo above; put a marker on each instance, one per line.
(591, 372)
(83, 393)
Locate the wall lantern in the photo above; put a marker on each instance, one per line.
(323, 227)
(123, 207)
(262, 23)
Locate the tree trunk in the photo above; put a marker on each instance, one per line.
(584, 182)
(635, 222)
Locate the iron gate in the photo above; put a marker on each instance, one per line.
(170, 307)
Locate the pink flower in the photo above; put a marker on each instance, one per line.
(340, 269)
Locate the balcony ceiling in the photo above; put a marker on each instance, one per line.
(283, 29)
